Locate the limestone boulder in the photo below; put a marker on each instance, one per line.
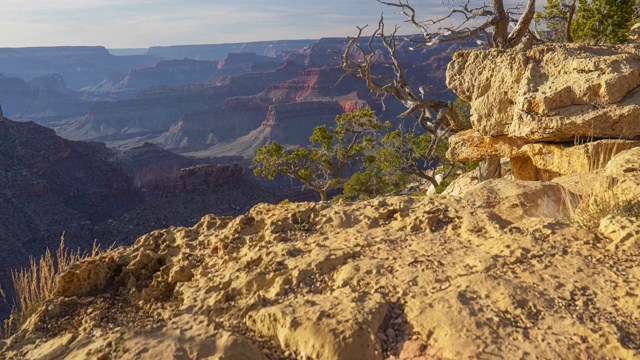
(462, 184)
(551, 92)
(580, 184)
(545, 161)
(622, 176)
(513, 201)
(470, 145)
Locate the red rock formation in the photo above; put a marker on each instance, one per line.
(314, 83)
(149, 163)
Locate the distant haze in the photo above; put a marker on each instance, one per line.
(143, 23)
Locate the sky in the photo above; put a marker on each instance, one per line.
(143, 23)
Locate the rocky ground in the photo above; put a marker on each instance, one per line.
(496, 273)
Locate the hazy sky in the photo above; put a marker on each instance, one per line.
(144, 23)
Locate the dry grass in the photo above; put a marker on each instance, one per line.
(594, 207)
(586, 210)
(35, 284)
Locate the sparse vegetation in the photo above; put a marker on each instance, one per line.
(353, 155)
(600, 21)
(323, 165)
(398, 161)
(35, 284)
(403, 158)
(588, 210)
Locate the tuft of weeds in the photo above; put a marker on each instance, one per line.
(594, 207)
(35, 284)
(603, 199)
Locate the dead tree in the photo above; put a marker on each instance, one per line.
(435, 116)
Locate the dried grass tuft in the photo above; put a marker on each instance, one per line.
(35, 284)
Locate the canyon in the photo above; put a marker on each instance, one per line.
(197, 99)
(50, 186)
(212, 268)
(105, 148)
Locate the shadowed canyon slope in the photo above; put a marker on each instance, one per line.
(50, 185)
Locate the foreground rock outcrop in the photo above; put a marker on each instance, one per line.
(496, 272)
(548, 102)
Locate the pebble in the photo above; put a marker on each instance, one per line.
(391, 333)
(382, 336)
(266, 351)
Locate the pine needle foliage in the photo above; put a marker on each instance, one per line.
(594, 21)
(323, 165)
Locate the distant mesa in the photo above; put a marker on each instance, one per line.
(219, 51)
(190, 99)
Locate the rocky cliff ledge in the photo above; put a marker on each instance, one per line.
(552, 109)
(439, 277)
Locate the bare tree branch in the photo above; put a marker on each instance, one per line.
(437, 117)
(523, 24)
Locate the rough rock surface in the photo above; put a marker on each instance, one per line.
(551, 160)
(553, 109)
(622, 175)
(470, 145)
(494, 273)
(553, 92)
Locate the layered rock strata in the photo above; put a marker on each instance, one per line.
(553, 109)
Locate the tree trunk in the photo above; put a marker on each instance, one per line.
(500, 26)
(323, 195)
(489, 169)
(523, 24)
(572, 10)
